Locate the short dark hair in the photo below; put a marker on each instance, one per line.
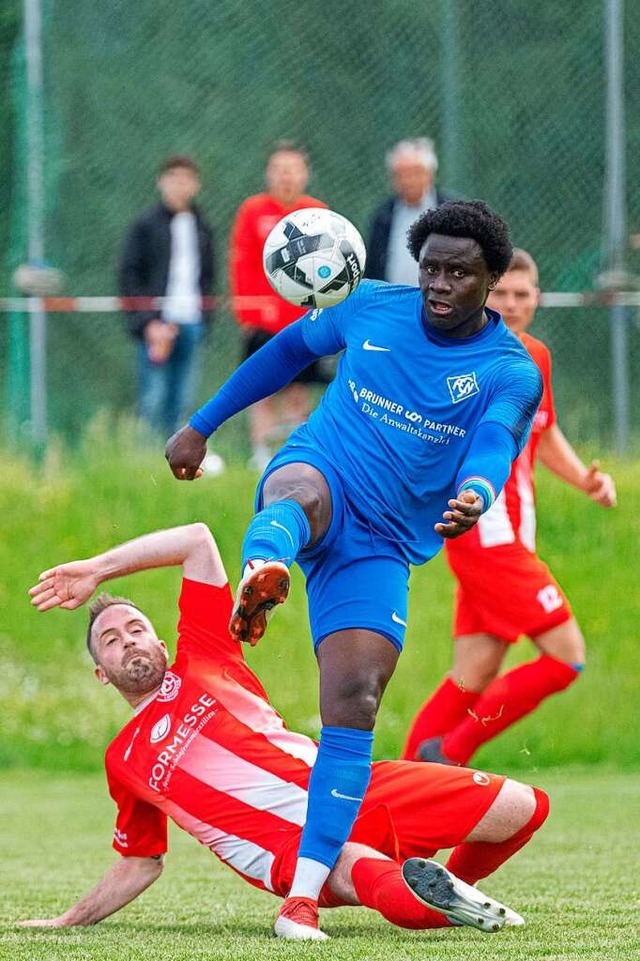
(178, 160)
(97, 606)
(288, 146)
(465, 218)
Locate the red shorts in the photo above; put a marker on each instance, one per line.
(505, 591)
(409, 810)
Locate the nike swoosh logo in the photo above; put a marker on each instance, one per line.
(344, 797)
(282, 528)
(369, 346)
(397, 619)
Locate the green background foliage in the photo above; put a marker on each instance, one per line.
(113, 488)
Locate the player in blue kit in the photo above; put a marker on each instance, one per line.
(413, 440)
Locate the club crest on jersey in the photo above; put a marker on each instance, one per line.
(462, 386)
(160, 729)
(170, 686)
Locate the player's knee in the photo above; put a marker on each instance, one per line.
(312, 494)
(512, 810)
(528, 808)
(353, 702)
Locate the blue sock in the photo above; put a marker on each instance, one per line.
(339, 779)
(277, 533)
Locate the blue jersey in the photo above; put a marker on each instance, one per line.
(399, 417)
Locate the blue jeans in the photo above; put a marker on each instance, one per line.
(167, 391)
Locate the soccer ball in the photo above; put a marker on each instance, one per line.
(314, 257)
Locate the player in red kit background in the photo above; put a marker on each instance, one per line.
(504, 589)
(206, 749)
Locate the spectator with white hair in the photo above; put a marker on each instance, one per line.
(411, 165)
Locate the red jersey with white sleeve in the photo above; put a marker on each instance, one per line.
(255, 219)
(210, 752)
(512, 517)
(504, 588)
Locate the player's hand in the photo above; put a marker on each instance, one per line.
(185, 451)
(463, 514)
(67, 586)
(601, 488)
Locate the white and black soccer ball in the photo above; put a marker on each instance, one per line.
(314, 257)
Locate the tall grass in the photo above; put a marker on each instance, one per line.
(113, 488)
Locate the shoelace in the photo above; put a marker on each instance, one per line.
(301, 911)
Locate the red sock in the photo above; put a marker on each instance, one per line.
(445, 709)
(473, 860)
(505, 700)
(379, 885)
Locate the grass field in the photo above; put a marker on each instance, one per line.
(110, 489)
(577, 885)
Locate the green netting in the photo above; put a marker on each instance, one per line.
(513, 93)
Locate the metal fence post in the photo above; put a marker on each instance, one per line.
(35, 208)
(615, 216)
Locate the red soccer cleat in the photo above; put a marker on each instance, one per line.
(298, 921)
(264, 584)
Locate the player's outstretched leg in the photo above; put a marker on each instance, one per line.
(264, 585)
(462, 903)
(298, 921)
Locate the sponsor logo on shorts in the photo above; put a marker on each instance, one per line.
(160, 729)
(171, 684)
(481, 778)
(395, 617)
(462, 386)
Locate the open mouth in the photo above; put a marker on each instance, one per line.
(440, 307)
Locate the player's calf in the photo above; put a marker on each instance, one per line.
(264, 585)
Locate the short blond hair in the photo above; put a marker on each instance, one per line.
(522, 260)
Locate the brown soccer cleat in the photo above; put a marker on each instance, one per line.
(264, 584)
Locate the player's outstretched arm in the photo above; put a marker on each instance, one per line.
(122, 883)
(264, 373)
(191, 547)
(558, 456)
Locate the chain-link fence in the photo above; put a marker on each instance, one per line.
(513, 94)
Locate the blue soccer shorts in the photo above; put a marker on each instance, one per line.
(356, 577)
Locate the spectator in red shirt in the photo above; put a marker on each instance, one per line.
(287, 175)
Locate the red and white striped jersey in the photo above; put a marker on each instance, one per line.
(210, 752)
(512, 517)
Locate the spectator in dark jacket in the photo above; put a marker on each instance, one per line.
(168, 252)
(411, 165)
